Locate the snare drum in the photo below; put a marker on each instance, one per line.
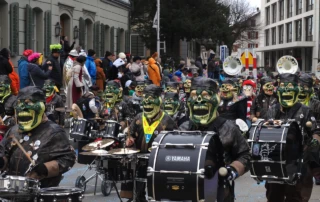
(18, 188)
(60, 194)
(80, 129)
(141, 167)
(112, 129)
(276, 153)
(118, 169)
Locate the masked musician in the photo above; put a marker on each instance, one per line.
(264, 100)
(5, 92)
(203, 104)
(174, 108)
(45, 142)
(114, 108)
(249, 88)
(135, 101)
(233, 105)
(147, 125)
(53, 101)
(172, 87)
(289, 108)
(187, 87)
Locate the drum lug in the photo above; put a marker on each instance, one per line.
(200, 172)
(150, 171)
(80, 198)
(69, 200)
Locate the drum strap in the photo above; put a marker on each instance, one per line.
(147, 129)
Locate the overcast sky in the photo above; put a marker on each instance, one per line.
(255, 3)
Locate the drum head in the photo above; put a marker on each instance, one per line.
(59, 191)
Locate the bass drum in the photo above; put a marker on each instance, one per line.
(176, 166)
(276, 153)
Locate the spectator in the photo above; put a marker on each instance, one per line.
(126, 75)
(56, 74)
(184, 74)
(101, 77)
(37, 75)
(107, 64)
(65, 50)
(137, 69)
(91, 66)
(199, 65)
(6, 68)
(216, 73)
(154, 71)
(195, 73)
(68, 66)
(117, 64)
(75, 85)
(23, 69)
(85, 76)
(211, 68)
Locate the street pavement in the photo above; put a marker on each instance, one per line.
(247, 190)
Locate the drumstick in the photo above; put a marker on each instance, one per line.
(24, 151)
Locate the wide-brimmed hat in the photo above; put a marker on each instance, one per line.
(74, 53)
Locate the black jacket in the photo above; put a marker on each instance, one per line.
(234, 110)
(262, 103)
(106, 66)
(37, 75)
(5, 67)
(54, 145)
(56, 70)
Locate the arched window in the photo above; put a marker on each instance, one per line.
(65, 23)
(37, 39)
(88, 44)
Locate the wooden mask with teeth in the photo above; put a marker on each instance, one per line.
(151, 101)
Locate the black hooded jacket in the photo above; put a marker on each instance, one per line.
(5, 67)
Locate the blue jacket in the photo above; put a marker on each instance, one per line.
(23, 72)
(92, 69)
(38, 75)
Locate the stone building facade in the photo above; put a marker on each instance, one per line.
(96, 24)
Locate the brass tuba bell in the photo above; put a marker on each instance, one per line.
(232, 66)
(287, 64)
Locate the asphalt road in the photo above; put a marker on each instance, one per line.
(247, 190)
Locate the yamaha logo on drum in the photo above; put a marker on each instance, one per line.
(177, 158)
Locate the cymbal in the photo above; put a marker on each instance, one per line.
(121, 151)
(96, 153)
(96, 118)
(62, 109)
(101, 144)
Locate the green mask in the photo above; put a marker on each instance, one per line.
(268, 88)
(171, 106)
(5, 91)
(139, 90)
(226, 91)
(203, 106)
(151, 105)
(304, 95)
(30, 114)
(171, 89)
(187, 86)
(288, 93)
(112, 95)
(49, 89)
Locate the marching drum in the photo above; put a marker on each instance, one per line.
(276, 153)
(60, 194)
(176, 166)
(112, 129)
(18, 188)
(80, 129)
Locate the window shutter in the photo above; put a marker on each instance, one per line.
(127, 33)
(82, 28)
(47, 33)
(118, 40)
(28, 28)
(96, 34)
(112, 39)
(14, 29)
(103, 39)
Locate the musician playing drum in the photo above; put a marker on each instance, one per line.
(147, 125)
(53, 101)
(5, 93)
(289, 108)
(44, 142)
(203, 104)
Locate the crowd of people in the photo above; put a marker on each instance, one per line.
(146, 98)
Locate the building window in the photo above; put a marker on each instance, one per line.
(252, 45)
(268, 1)
(289, 32)
(137, 45)
(267, 37)
(309, 6)
(274, 13)
(281, 33)
(290, 6)
(253, 23)
(252, 35)
(298, 7)
(268, 16)
(298, 30)
(274, 37)
(281, 7)
(309, 28)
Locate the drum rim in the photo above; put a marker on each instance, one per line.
(72, 190)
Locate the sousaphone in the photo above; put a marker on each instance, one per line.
(287, 64)
(232, 66)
